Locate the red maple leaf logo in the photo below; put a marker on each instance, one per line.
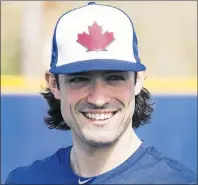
(95, 40)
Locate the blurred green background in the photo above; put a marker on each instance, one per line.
(166, 30)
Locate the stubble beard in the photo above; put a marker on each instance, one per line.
(107, 144)
(104, 144)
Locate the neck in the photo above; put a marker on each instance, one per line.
(89, 161)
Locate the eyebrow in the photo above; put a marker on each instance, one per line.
(89, 73)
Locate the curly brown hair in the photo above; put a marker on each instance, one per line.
(142, 113)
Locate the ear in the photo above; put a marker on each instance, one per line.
(52, 85)
(139, 82)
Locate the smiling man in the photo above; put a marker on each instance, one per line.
(97, 106)
(95, 89)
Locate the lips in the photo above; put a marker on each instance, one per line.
(99, 116)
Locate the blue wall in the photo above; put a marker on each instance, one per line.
(25, 138)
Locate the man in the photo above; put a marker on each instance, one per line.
(95, 88)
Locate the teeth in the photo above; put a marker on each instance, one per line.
(99, 116)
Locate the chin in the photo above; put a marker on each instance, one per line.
(100, 138)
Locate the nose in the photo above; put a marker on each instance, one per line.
(98, 93)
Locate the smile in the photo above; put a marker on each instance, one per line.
(99, 116)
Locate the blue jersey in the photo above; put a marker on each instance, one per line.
(146, 166)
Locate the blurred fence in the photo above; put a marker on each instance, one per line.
(25, 138)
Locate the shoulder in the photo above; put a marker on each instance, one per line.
(38, 170)
(171, 170)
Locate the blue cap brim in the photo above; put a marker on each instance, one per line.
(98, 65)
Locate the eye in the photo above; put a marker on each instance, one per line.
(115, 78)
(79, 80)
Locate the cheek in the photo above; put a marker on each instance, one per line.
(70, 98)
(74, 96)
(127, 94)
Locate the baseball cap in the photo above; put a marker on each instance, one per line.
(94, 37)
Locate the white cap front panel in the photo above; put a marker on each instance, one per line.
(70, 40)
